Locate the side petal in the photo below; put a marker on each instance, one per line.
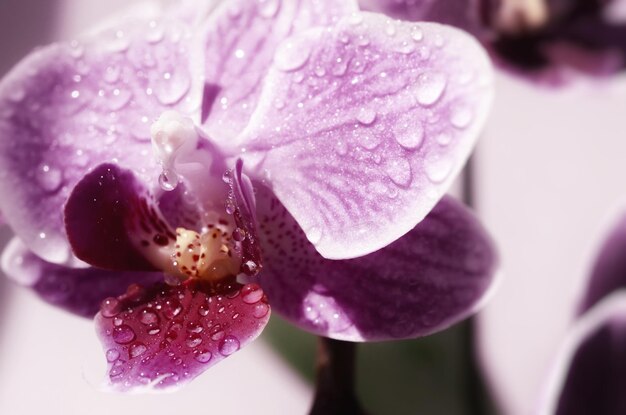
(164, 336)
(589, 375)
(111, 222)
(68, 107)
(609, 270)
(241, 39)
(431, 278)
(361, 129)
(77, 290)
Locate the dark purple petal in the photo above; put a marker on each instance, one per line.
(431, 278)
(362, 128)
(165, 336)
(609, 270)
(241, 39)
(69, 107)
(111, 222)
(77, 290)
(589, 376)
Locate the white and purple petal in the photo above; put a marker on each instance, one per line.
(241, 39)
(163, 336)
(433, 277)
(68, 107)
(361, 128)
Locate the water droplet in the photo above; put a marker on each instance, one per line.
(230, 206)
(203, 356)
(412, 138)
(444, 138)
(193, 340)
(112, 355)
(137, 349)
(203, 310)
(417, 34)
(320, 71)
(314, 235)
(49, 178)
(438, 170)
(153, 329)
(123, 334)
(292, 54)
(399, 171)
(171, 308)
(260, 310)
(148, 317)
(194, 327)
(172, 87)
(251, 293)
(390, 29)
(229, 345)
(168, 180)
(155, 32)
(118, 99)
(118, 42)
(75, 94)
(250, 267)
(355, 19)
(112, 74)
(268, 8)
(430, 86)
(461, 117)
(239, 234)
(226, 177)
(368, 139)
(340, 67)
(110, 307)
(366, 116)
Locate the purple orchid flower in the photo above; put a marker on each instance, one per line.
(294, 152)
(589, 374)
(549, 40)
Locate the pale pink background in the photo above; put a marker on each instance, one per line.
(551, 173)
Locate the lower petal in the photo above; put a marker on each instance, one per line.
(431, 278)
(77, 290)
(164, 336)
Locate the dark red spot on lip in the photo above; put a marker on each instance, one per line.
(196, 257)
(160, 239)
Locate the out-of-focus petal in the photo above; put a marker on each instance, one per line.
(241, 38)
(434, 276)
(163, 336)
(68, 107)
(589, 375)
(111, 222)
(609, 270)
(361, 129)
(464, 14)
(77, 290)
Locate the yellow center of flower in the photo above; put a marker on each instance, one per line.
(209, 256)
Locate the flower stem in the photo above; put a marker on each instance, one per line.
(335, 384)
(475, 391)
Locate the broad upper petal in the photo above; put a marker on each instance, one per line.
(241, 38)
(163, 336)
(429, 279)
(361, 129)
(77, 290)
(68, 107)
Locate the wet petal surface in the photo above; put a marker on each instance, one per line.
(68, 107)
(165, 336)
(362, 128)
(242, 37)
(431, 278)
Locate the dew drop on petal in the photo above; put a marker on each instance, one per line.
(417, 34)
(148, 317)
(168, 180)
(430, 86)
(260, 310)
(123, 334)
(292, 54)
(193, 340)
(412, 138)
(239, 234)
(229, 345)
(251, 293)
(110, 306)
(112, 355)
(366, 116)
(461, 117)
(399, 171)
(49, 178)
(172, 87)
(137, 349)
(268, 8)
(203, 356)
(438, 170)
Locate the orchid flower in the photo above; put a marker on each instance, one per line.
(546, 40)
(589, 373)
(294, 153)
